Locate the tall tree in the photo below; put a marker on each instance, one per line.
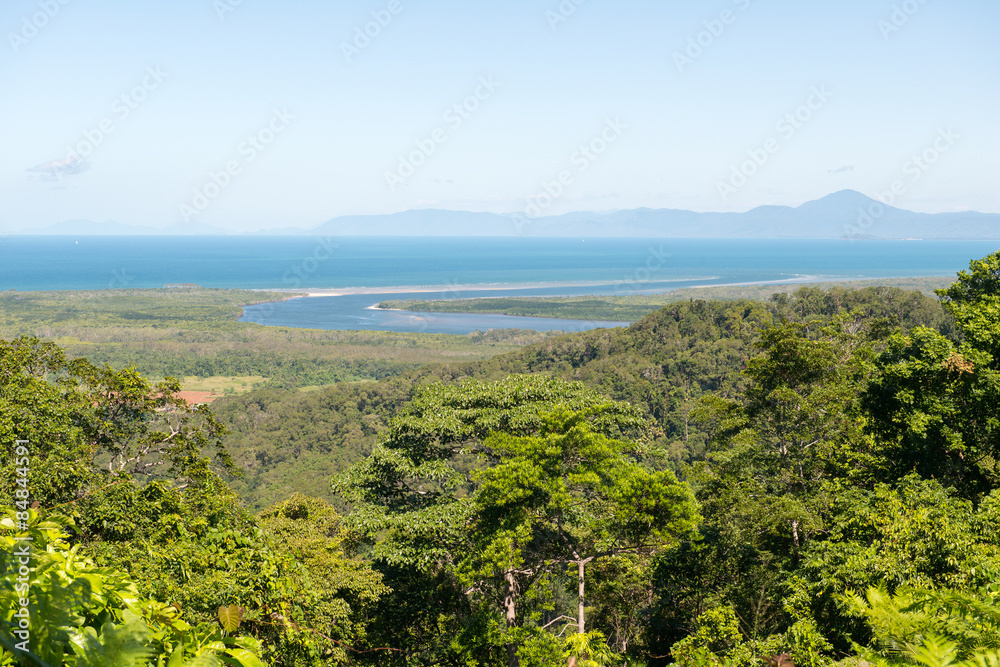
(415, 495)
(570, 496)
(934, 402)
(974, 301)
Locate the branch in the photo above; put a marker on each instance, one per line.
(556, 620)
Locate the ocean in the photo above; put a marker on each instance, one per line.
(550, 266)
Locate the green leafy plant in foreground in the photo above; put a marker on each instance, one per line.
(932, 628)
(82, 615)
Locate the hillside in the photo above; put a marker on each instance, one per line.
(287, 442)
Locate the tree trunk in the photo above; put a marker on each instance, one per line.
(581, 626)
(510, 612)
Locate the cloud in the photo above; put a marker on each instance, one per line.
(841, 170)
(56, 170)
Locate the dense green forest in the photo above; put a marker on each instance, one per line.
(810, 479)
(663, 365)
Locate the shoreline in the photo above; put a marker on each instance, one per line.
(482, 292)
(416, 289)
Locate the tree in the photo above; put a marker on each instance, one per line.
(570, 496)
(343, 589)
(138, 470)
(414, 496)
(933, 401)
(931, 628)
(796, 427)
(933, 406)
(974, 301)
(94, 426)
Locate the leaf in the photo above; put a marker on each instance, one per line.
(230, 617)
(245, 658)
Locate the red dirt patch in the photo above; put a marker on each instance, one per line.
(196, 397)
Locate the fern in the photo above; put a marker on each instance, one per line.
(945, 628)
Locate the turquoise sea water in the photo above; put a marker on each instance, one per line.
(619, 265)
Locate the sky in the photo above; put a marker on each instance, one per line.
(250, 114)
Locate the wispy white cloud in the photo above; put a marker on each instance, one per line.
(56, 170)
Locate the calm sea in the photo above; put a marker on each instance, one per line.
(621, 265)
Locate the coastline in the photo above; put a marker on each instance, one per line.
(416, 289)
(617, 308)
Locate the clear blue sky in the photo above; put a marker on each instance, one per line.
(182, 85)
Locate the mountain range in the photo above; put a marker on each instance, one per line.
(844, 214)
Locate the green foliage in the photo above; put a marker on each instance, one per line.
(82, 615)
(933, 628)
(342, 590)
(493, 484)
(974, 301)
(916, 533)
(472, 479)
(288, 441)
(934, 405)
(633, 307)
(590, 649)
(717, 642)
(414, 485)
(195, 332)
(606, 309)
(293, 440)
(78, 412)
(156, 508)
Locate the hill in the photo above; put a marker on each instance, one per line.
(844, 214)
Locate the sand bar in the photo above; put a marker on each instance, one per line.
(452, 289)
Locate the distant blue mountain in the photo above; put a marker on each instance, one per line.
(844, 214)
